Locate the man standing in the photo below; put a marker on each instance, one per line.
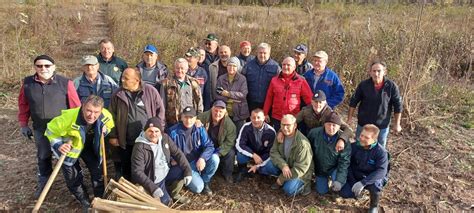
(254, 143)
(218, 68)
(291, 160)
(131, 106)
(368, 168)
(302, 64)
(211, 42)
(221, 130)
(83, 126)
(93, 82)
(151, 164)
(200, 74)
(259, 72)
(110, 64)
(42, 97)
(198, 148)
(328, 161)
(152, 70)
(285, 93)
(179, 92)
(245, 51)
(378, 97)
(323, 78)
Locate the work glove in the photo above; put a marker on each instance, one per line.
(26, 132)
(357, 189)
(336, 186)
(187, 180)
(158, 193)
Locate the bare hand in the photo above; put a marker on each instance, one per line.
(114, 142)
(279, 182)
(267, 119)
(198, 123)
(173, 162)
(200, 164)
(340, 145)
(286, 172)
(397, 128)
(253, 169)
(65, 148)
(257, 159)
(280, 137)
(225, 93)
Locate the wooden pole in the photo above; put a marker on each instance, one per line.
(50, 182)
(104, 159)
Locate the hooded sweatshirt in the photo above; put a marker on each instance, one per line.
(161, 166)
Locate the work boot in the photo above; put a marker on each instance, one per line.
(42, 180)
(306, 190)
(207, 190)
(182, 199)
(275, 186)
(228, 179)
(241, 174)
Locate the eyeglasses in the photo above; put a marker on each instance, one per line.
(43, 65)
(207, 43)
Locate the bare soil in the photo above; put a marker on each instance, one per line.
(431, 168)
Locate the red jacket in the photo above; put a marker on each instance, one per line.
(286, 99)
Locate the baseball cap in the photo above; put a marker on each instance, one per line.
(192, 52)
(333, 118)
(219, 103)
(189, 111)
(150, 48)
(89, 59)
(319, 96)
(321, 54)
(301, 48)
(211, 37)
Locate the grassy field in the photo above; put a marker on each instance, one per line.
(428, 49)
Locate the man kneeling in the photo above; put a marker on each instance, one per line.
(151, 164)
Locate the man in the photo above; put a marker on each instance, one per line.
(131, 106)
(328, 161)
(93, 82)
(285, 93)
(151, 164)
(200, 74)
(302, 64)
(83, 127)
(221, 131)
(245, 50)
(202, 59)
(42, 97)
(378, 97)
(314, 115)
(179, 92)
(152, 70)
(291, 160)
(211, 42)
(259, 72)
(198, 148)
(323, 78)
(368, 168)
(218, 68)
(253, 144)
(110, 64)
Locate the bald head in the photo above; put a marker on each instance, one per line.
(131, 78)
(288, 65)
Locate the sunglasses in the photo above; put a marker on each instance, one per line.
(43, 65)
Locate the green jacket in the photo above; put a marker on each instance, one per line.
(326, 158)
(227, 132)
(300, 159)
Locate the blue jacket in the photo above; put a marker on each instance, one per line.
(376, 106)
(258, 78)
(201, 147)
(247, 144)
(329, 83)
(103, 88)
(368, 166)
(201, 75)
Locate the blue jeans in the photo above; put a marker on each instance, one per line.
(291, 187)
(383, 135)
(199, 179)
(322, 186)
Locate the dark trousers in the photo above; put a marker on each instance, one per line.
(254, 105)
(126, 158)
(74, 176)
(275, 123)
(227, 163)
(171, 185)
(43, 156)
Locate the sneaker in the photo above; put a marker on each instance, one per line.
(182, 199)
(228, 179)
(207, 190)
(39, 189)
(275, 186)
(306, 190)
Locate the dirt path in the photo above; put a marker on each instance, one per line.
(18, 155)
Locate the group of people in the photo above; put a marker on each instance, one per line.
(166, 130)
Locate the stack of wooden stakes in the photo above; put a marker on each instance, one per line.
(123, 196)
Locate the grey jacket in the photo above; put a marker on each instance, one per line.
(238, 93)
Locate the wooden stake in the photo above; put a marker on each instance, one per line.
(104, 158)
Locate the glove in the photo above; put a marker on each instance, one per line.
(26, 132)
(336, 186)
(187, 180)
(357, 188)
(219, 90)
(158, 193)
